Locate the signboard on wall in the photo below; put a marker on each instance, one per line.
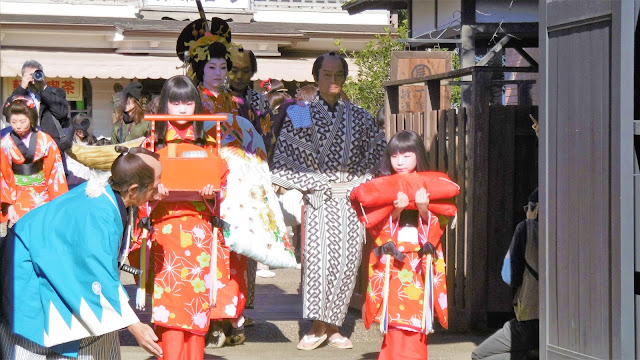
(73, 87)
(414, 64)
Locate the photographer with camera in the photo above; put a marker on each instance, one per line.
(53, 108)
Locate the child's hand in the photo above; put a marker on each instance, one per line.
(162, 193)
(422, 200)
(12, 214)
(208, 192)
(401, 202)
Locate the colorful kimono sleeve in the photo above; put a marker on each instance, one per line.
(263, 122)
(7, 181)
(54, 171)
(440, 298)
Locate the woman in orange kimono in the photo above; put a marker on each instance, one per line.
(210, 62)
(182, 238)
(33, 156)
(400, 265)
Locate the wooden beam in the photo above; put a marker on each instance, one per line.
(497, 81)
(526, 56)
(459, 73)
(494, 51)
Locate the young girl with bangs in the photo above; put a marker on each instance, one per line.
(182, 237)
(405, 239)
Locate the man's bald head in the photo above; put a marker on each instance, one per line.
(135, 173)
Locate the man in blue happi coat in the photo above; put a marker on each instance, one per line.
(59, 276)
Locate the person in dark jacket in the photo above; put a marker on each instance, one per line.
(518, 338)
(53, 108)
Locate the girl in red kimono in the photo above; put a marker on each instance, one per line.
(182, 238)
(406, 240)
(210, 62)
(38, 173)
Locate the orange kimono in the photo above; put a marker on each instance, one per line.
(7, 184)
(408, 320)
(44, 181)
(181, 257)
(407, 277)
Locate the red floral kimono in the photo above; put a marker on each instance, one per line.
(31, 191)
(416, 288)
(181, 257)
(407, 277)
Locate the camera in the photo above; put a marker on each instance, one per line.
(38, 75)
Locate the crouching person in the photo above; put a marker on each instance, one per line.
(60, 288)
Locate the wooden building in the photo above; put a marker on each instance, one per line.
(587, 179)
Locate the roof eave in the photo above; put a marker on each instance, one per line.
(358, 6)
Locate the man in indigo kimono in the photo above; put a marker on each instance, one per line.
(324, 151)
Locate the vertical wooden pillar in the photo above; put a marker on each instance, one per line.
(476, 279)
(391, 106)
(431, 103)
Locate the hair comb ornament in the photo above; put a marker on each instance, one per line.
(267, 83)
(19, 98)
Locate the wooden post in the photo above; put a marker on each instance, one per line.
(476, 277)
(432, 102)
(457, 320)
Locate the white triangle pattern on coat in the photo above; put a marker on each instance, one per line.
(87, 323)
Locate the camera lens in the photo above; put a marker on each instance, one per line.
(38, 75)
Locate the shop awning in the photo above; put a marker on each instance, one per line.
(119, 66)
(91, 65)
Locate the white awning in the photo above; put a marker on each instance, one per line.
(118, 66)
(91, 65)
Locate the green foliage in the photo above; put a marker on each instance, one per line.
(374, 64)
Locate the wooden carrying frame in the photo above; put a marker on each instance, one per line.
(185, 177)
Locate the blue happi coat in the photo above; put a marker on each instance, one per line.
(60, 277)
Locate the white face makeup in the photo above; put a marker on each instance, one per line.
(215, 73)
